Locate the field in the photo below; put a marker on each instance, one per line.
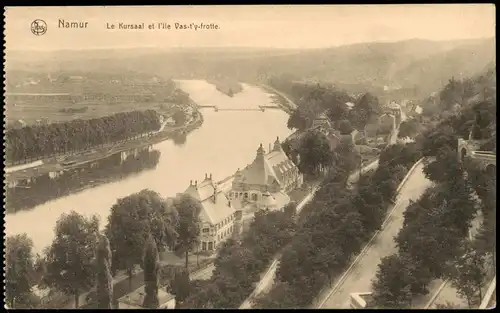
(54, 112)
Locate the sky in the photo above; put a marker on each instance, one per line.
(284, 26)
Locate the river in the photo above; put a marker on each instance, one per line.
(227, 140)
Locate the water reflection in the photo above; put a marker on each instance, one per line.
(114, 168)
(179, 138)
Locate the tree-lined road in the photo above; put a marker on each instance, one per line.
(359, 276)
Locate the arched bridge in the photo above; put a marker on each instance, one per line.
(470, 148)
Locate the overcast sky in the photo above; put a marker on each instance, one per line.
(249, 26)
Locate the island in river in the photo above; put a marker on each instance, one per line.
(227, 86)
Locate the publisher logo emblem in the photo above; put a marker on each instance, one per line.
(38, 27)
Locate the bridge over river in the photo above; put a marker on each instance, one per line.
(262, 108)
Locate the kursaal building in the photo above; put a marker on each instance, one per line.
(264, 184)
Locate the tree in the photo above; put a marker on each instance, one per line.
(290, 209)
(130, 223)
(345, 127)
(151, 266)
(19, 269)
(392, 285)
(447, 305)
(299, 119)
(202, 291)
(104, 281)
(366, 107)
(70, 266)
(280, 297)
(315, 153)
(180, 286)
(468, 275)
(240, 264)
(179, 117)
(409, 128)
(188, 226)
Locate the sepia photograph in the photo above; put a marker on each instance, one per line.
(250, 157)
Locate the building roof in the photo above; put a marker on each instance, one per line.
(216, 206)
(349, 105)
(281, 199)
(393, 106)
(268, 200)
(135, 299)
(322, 116)
(266, 169)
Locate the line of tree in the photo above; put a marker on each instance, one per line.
(315, 99)
(239, 263)
(35, 142)
(340, 222)
(79, 254)
(433, 242)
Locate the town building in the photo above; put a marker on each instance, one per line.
(135, 299)
(360, 300)
(394, 109)
(321, 121)
(264, 184)
(217, 215)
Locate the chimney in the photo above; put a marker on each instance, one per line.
(210, 176)
(260, 151)
(206, 176)
(191, 182)
(215, 193)
(196, 184)
(269, 147)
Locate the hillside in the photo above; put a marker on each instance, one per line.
(399, 65)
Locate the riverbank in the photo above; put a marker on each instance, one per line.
(280, 99)
(73, 161)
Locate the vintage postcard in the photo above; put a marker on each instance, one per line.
(312, 156)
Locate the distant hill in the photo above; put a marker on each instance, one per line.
(426, 65)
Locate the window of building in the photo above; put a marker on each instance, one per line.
(206, 230)
(203, 246)
(254, 197)
(246, 195)
(210, 246)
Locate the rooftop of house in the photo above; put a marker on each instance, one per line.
(393, 105)
(266, 169)
(216, 205)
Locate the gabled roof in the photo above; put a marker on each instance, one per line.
(268, 200)
(266, 169)
(216, 205)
